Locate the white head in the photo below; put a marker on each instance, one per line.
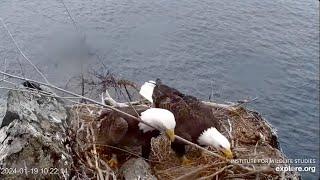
(212, 137)
(161, 119)
(146, 90)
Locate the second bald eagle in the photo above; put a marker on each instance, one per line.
(195, 121)
(119, 130)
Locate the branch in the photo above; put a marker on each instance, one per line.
(177, 137)
(5, 70)
(23, 55)
(217, 105)
(107, 99)
(5, 67)
(216, 173)
(240, 103)
(72, 19)
(253, 172)
(199, 147)
(115, 109)
(123, 150)
(187, 176)
(76, 95)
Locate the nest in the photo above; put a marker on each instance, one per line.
(253, 142)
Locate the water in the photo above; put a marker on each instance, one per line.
(238, 49)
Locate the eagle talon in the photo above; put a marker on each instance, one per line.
(113, 162)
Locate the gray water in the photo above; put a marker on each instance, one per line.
(235, 49)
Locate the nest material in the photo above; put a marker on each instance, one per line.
(250, 135)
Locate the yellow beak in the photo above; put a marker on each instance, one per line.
(170, 134)
(228, 154)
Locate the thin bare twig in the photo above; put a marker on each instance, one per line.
(32, 91)
(216, 173)
(22, 53)
(192, 172)
(240, 103)
(112, 108)
(5, 67)
(4, 79)
(120, 149)
(5, 70)
(77, 95)
(253, 172)
(96, 155)
(75, 24)
(230, 133)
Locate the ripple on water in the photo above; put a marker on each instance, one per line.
(235, 50)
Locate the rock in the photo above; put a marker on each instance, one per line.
(34, 142)
(32, 138)
(3, 109)
(136, 168)
(33, 107)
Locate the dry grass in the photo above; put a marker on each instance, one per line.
(251, 136)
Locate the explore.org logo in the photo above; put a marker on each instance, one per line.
(296, 169)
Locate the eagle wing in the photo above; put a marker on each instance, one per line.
(192, 116)
(118, 129)
(113, 128)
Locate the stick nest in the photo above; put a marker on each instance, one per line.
(250, 135)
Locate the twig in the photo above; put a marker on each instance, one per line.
(120, 149)
(4, 79)
(216, 173)
(192, 172)
(127, 97)
(255, 148)
(32, 91)
(5, 67)
(230, 133)
(240, 103)
(9, 82)
(5, 70)
(107, 98)
(259, 171)
(96, 154)
(77, 95)
(212, 104)
(211, 94)
(230, 127)
(112, 108)
(89, 161)
(199, 147)
(73, 21)
(21, 52)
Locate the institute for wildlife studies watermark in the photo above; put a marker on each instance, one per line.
(283, 165)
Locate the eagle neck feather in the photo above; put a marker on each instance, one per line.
(206, 136)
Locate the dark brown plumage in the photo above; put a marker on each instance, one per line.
(119, 130)
(192, 116)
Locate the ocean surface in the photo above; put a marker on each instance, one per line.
(233, 50)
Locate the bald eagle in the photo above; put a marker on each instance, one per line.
(119, 130)
(195, 121)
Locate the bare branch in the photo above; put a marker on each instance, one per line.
(112, 108)
(216, 173)
(21, 52)
(192, 173)
(242, 102)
